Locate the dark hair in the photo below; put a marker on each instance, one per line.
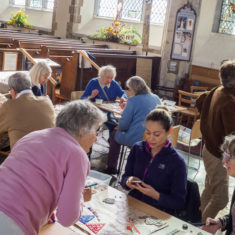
(162, 116)
(227, 73)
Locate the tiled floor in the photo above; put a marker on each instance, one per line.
(99, 158)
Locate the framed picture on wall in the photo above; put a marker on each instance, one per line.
(183, 33)
(10, 60)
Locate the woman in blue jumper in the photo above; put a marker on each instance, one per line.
(158, 165)
(131, 125)
(106, 88)
(40, 74)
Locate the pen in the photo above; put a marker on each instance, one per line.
(159, 229)
(202, 224)
(90, 185)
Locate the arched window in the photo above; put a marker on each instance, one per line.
(133, 10)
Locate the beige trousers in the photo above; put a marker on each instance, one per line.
(215, 195)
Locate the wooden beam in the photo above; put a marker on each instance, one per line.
(30, 58)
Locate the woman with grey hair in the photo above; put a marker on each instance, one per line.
(131, 125)
(47, 170)
(106, 88)
(40, 74)
(227, 222)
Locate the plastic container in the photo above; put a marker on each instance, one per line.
(100, 176)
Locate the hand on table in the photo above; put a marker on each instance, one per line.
(129, 180)
(148, 190)
(94, 93)
(122, 102)
(212, 228)
(87, 192)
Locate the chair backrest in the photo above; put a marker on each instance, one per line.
(191, 212)
(196, 132)
(76, 95)
(198, 88)
(187, 98)
(174, 135)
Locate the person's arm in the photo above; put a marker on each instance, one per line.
(176, 198)
(127, 116)
(3, 118)
(228, 118)
(88, 91)
(200, 100)
(120, 92)
(129, 170)
(70, 202)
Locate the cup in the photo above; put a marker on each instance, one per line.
(98, 101)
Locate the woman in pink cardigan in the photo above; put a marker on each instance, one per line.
(46, 170)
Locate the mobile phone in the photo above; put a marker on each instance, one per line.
(136, 181)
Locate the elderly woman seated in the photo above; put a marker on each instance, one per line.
(131, 125)
(106, 88)
(47, 169)
(40, 74)
(155, 172)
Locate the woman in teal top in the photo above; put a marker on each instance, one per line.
(131, 125)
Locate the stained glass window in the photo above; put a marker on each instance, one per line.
(227, 17)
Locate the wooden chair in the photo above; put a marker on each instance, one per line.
(4, 145)
(76, 95)
(189, 99)
(174, 135)
(194, 139)
(198, 89)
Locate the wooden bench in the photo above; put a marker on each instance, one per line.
(206, 77)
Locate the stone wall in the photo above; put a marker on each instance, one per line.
(170, 79)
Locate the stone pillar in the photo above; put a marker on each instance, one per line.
(66, 16)
(54, 23)
(170, 79)
(75, 16)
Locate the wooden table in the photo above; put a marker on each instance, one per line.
(56, 229)
(112, 107)
(175, 108)
(114, 215)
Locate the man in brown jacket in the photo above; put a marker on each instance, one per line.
(24, 113)
(217, 109)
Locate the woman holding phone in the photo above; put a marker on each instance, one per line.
(155, 172)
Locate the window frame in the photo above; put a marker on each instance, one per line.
(27, 5)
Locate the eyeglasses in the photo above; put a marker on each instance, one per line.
(227, 157)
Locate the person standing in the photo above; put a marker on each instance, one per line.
(217, 110)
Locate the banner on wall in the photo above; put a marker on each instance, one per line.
(183, 34)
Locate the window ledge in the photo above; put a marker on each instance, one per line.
(126, 21)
